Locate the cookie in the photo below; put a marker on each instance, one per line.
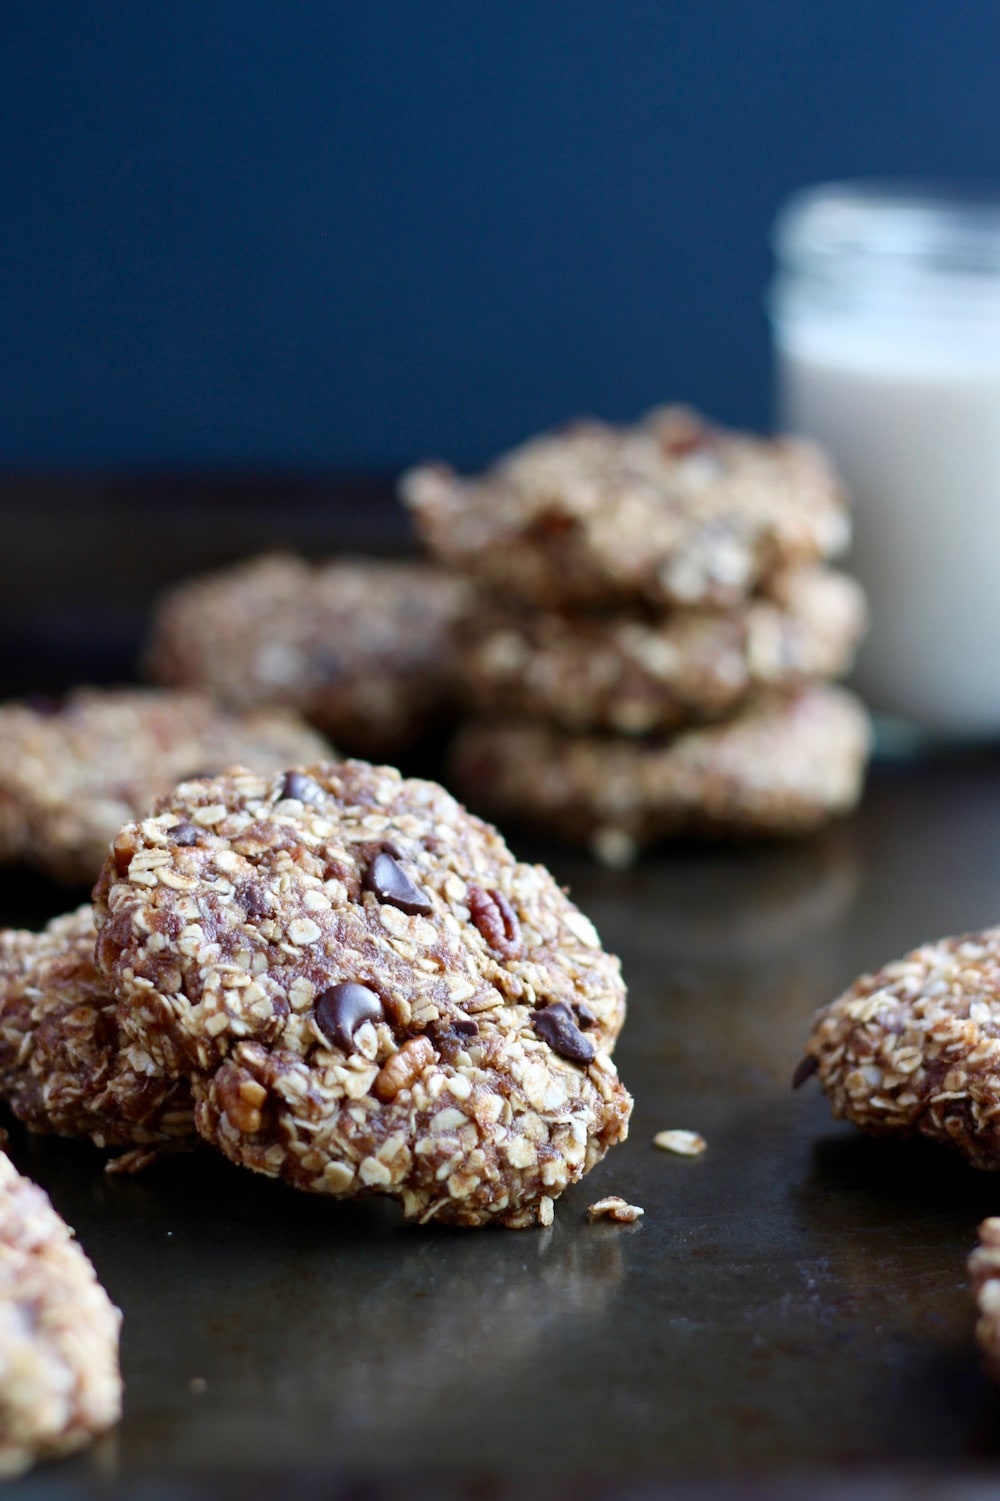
(59, 1378)
(784, 765)
(915, 1047)
(73, 773)
(984, 1279)
(363, 649)
(633, 674)
(65, 1066)
(368, 992)
(674, 512)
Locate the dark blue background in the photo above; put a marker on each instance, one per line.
(288, 233)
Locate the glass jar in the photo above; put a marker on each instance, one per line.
(886, 317)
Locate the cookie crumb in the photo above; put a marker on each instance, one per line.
(681, 1143)
(615, 1208)
(197, 1385)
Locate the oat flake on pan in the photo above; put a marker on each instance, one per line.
(615, 1208)
(915, 1047)
(681, 1143)
(59, 1378)
(367, 991)
(673, 511)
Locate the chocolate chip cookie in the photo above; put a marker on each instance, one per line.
(73, 772)
(637, 674)
(65, 1066)
(915, 1047)
(363, 649)
(784, 765)
(59, 1378)
(368, 993)
(674, 512)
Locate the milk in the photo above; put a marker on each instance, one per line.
(902, 385)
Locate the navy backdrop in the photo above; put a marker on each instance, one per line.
(273, 232)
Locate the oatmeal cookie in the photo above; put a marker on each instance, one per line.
(363, 649)
(784, 765)
(634, 674)
(65, 1066)
(73, 773)
(59, 1379)
(368, 992)
(674, 511)
(915, 1047)
(984, 1277)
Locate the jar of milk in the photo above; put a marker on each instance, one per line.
(886, 314)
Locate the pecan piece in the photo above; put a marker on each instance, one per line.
(241, 1097)
(403, 1069)
(497, 921)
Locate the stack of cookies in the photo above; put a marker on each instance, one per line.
(655, 632)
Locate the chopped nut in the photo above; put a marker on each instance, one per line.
(241, 1098)
(403, 1069)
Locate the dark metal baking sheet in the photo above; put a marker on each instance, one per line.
(791, 1307)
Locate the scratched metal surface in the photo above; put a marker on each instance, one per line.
(789, 1317)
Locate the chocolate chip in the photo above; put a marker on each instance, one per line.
(340, 1011)
(465, 1026)
(253, 899)
(556, 1026)
(184, 833)
(805, 1070)
(496, 920)
(391, 884)
(585, 1017)
(327, 665)
(301, 787)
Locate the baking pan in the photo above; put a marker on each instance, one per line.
(790, 1316)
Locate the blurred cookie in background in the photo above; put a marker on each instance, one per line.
(785, 765)
(633, 673)
(362, 648)
(73, 771)
(673, 512)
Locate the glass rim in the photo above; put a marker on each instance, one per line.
(934, 225)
